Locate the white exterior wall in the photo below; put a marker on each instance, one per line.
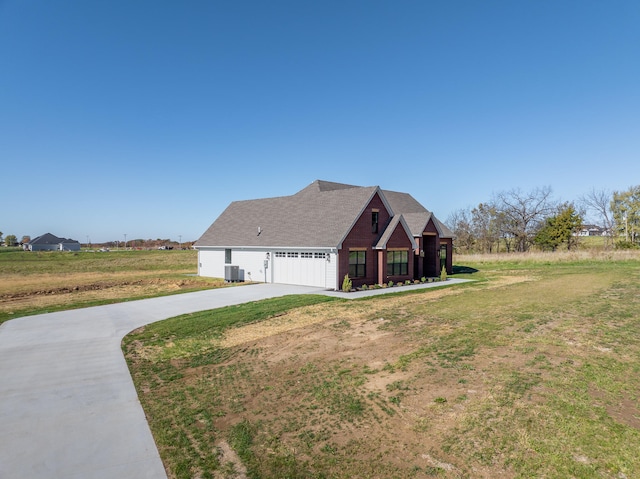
(251, 263)
(320, 272)
(332, 272)
(211, 263)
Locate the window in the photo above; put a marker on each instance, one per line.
(281, 254)
(306, 255)
(374, 221)
(357, 264)
(397, 263)
(319, 255)
(227, 256)
(291, 254)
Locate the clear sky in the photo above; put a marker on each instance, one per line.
(149, 117)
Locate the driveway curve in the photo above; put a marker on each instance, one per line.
(68, 406)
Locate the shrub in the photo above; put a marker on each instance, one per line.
(407, 282)
(365, 287)
(423, 279)
(443, 274)
(347, 284)
(390, 284)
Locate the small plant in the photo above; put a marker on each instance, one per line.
(440, 400)
(423, 279)
(365, 287)
(390, 284)
(347, 284)
(407, 282)
(443, 274)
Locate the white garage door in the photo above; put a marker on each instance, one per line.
(296, 267)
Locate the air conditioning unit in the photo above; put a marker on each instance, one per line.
(231, 273)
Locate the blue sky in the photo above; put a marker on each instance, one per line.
(149, 117)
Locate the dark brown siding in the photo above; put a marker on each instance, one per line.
(399, 239)
(361, 236)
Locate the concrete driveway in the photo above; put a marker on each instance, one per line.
(68, 407)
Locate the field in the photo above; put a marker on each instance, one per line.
(38, 282)
(532, 370)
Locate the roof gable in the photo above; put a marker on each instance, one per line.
(396, 222)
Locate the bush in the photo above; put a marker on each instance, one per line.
(443, 274)
(347, 284)
(622, 244)
(364, 287)
(390, 284)
(423, 279)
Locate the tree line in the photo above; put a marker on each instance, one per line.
(12, 240)
(514, 220)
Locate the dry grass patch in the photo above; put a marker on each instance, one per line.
(39, 282)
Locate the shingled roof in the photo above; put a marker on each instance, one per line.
(49, 239)
(320, 215)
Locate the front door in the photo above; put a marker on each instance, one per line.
(430, 261)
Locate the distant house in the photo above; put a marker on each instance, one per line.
(324, 232)
(49, 242)
(592, 230)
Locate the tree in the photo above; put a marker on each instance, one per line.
(625, 207)
(560, 228)
(522, 213)
(599, 201)
(11, 240)
(0, 236)
(460, 223)
(485, 224)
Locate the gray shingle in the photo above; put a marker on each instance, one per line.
(320, 215)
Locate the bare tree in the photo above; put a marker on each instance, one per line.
(485, 224)
(523, 213)
(599, 202)
(460, 223)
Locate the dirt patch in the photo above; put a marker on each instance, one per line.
(44, 291)
(622, 409)
(231, 466)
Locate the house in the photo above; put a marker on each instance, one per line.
(591, 230)
(324, 232)
(49, 242)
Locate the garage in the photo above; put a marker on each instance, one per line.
(300, 267)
